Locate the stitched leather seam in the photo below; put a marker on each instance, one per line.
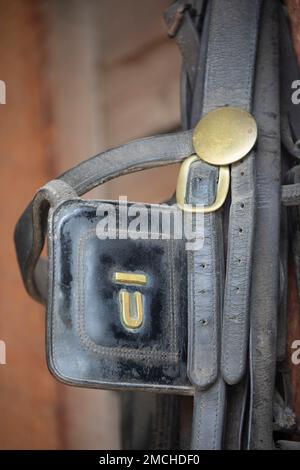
(147, 353)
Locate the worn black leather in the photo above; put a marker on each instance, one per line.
(206, 270)
(86, 341)
(205, 296)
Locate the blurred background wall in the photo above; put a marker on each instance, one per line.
(81, 76)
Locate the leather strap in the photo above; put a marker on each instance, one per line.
(181, 25)
(208, 417)
(191, 38)
(265, 272)
(236, 414)
(205, 289)
(205, 280)
(134, 156)
(237, 91)
(219, 92)
(205, 293)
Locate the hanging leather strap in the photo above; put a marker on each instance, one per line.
(265, 272)
(239, 58)
(224, 77)
(205, 283)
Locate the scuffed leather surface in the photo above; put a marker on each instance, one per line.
(229, 79)
(265, 273)
(87, 343)
(205, 269)
(134, 156)
(208, 417)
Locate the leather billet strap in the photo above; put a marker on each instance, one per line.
(205, 296)
(229, 81)
(205, 271)
(233, 87)
(191, 37)
(134, 156)
(205, 281)
(208, 417)
(265, 272)
(225, 77)
(180, 18)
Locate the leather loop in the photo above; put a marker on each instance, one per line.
(237, 90)
(134, 156)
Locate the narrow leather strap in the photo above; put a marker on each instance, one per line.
(236, 414)
(186, 35)
(208, 417)
(134, 156)
(265, 273)
(205, 293)
(205, 276)
(193, 52)
(34, 224)
(237, 91)
(205, 279)
(221, 88)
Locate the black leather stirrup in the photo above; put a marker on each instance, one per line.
(208, 323)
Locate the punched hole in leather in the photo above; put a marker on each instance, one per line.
(204, 310)
(205, 281)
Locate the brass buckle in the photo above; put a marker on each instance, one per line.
(222, 189)
(222, 137)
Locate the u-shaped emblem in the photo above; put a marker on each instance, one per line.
(131, 309)
(131, 303)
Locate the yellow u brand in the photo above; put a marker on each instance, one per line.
(131, 309)
(131, 303)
